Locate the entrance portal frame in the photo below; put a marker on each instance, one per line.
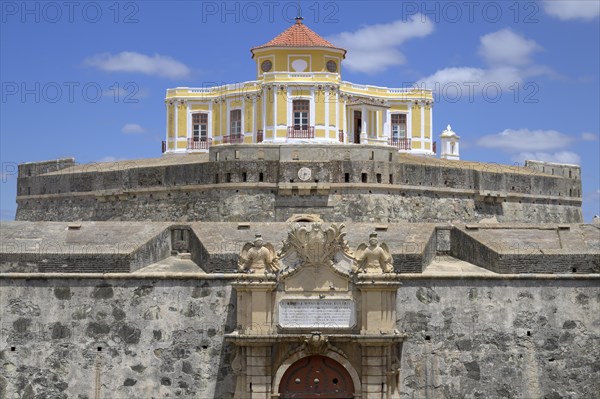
(301, 355)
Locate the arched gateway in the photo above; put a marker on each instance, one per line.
(316, 377)
(316, 319)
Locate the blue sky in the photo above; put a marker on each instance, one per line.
(517, 80)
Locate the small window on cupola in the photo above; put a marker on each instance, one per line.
(332, 66)
(266, 66)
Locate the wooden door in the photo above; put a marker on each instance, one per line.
(316, 377)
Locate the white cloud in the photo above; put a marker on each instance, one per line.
(585, 10)
(586, 136)
(526, 140)
(374, 48)
(505, 47)
(132, 128)
(567, 157)
(127, 61)
(508, 56)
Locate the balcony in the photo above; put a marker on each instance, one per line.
(295, 132)
(233, 139)
(199, 144)
(400, 143)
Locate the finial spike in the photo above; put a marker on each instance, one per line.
(299, 16)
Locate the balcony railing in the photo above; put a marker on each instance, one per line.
(294, 132)
(259, 136)
(199, 144)
(400, 143)
(233, 139)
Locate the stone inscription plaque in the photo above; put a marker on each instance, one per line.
(316, 313)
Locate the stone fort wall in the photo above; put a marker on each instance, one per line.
(261, 183)
(121, 336)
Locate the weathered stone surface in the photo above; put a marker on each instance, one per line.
(461, 344)
(498, 346)
(57, 355)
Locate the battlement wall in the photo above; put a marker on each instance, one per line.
(243, 183)
(213, 248)
(126, 336)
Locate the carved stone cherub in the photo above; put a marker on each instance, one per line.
(373, 258)
(258, 256)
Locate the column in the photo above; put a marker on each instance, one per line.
(373, 379)
(364, 137)
(422, 105)
(258, 371)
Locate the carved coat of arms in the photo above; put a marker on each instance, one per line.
(313, 245)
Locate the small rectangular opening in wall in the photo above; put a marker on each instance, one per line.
(237, 154)
(364, 177)
(378, 177)
(564, 227)
(391, 155)
(372, 157)
(528, 333)
(74, 226)
(574, 270)
(99, 349)
(381, 227)
(228, 177)
(347, 177)
(243, 226)
(244, 177)
(260, 177)
(427, 338)
(391, 179)
(12, 348)
(217, 178)
(471, 227)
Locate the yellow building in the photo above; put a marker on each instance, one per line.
(299, 97)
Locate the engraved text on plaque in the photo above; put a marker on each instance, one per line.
(313, 313)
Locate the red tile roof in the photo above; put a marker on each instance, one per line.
(298, 35)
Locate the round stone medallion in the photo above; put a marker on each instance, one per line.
(304, 174)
